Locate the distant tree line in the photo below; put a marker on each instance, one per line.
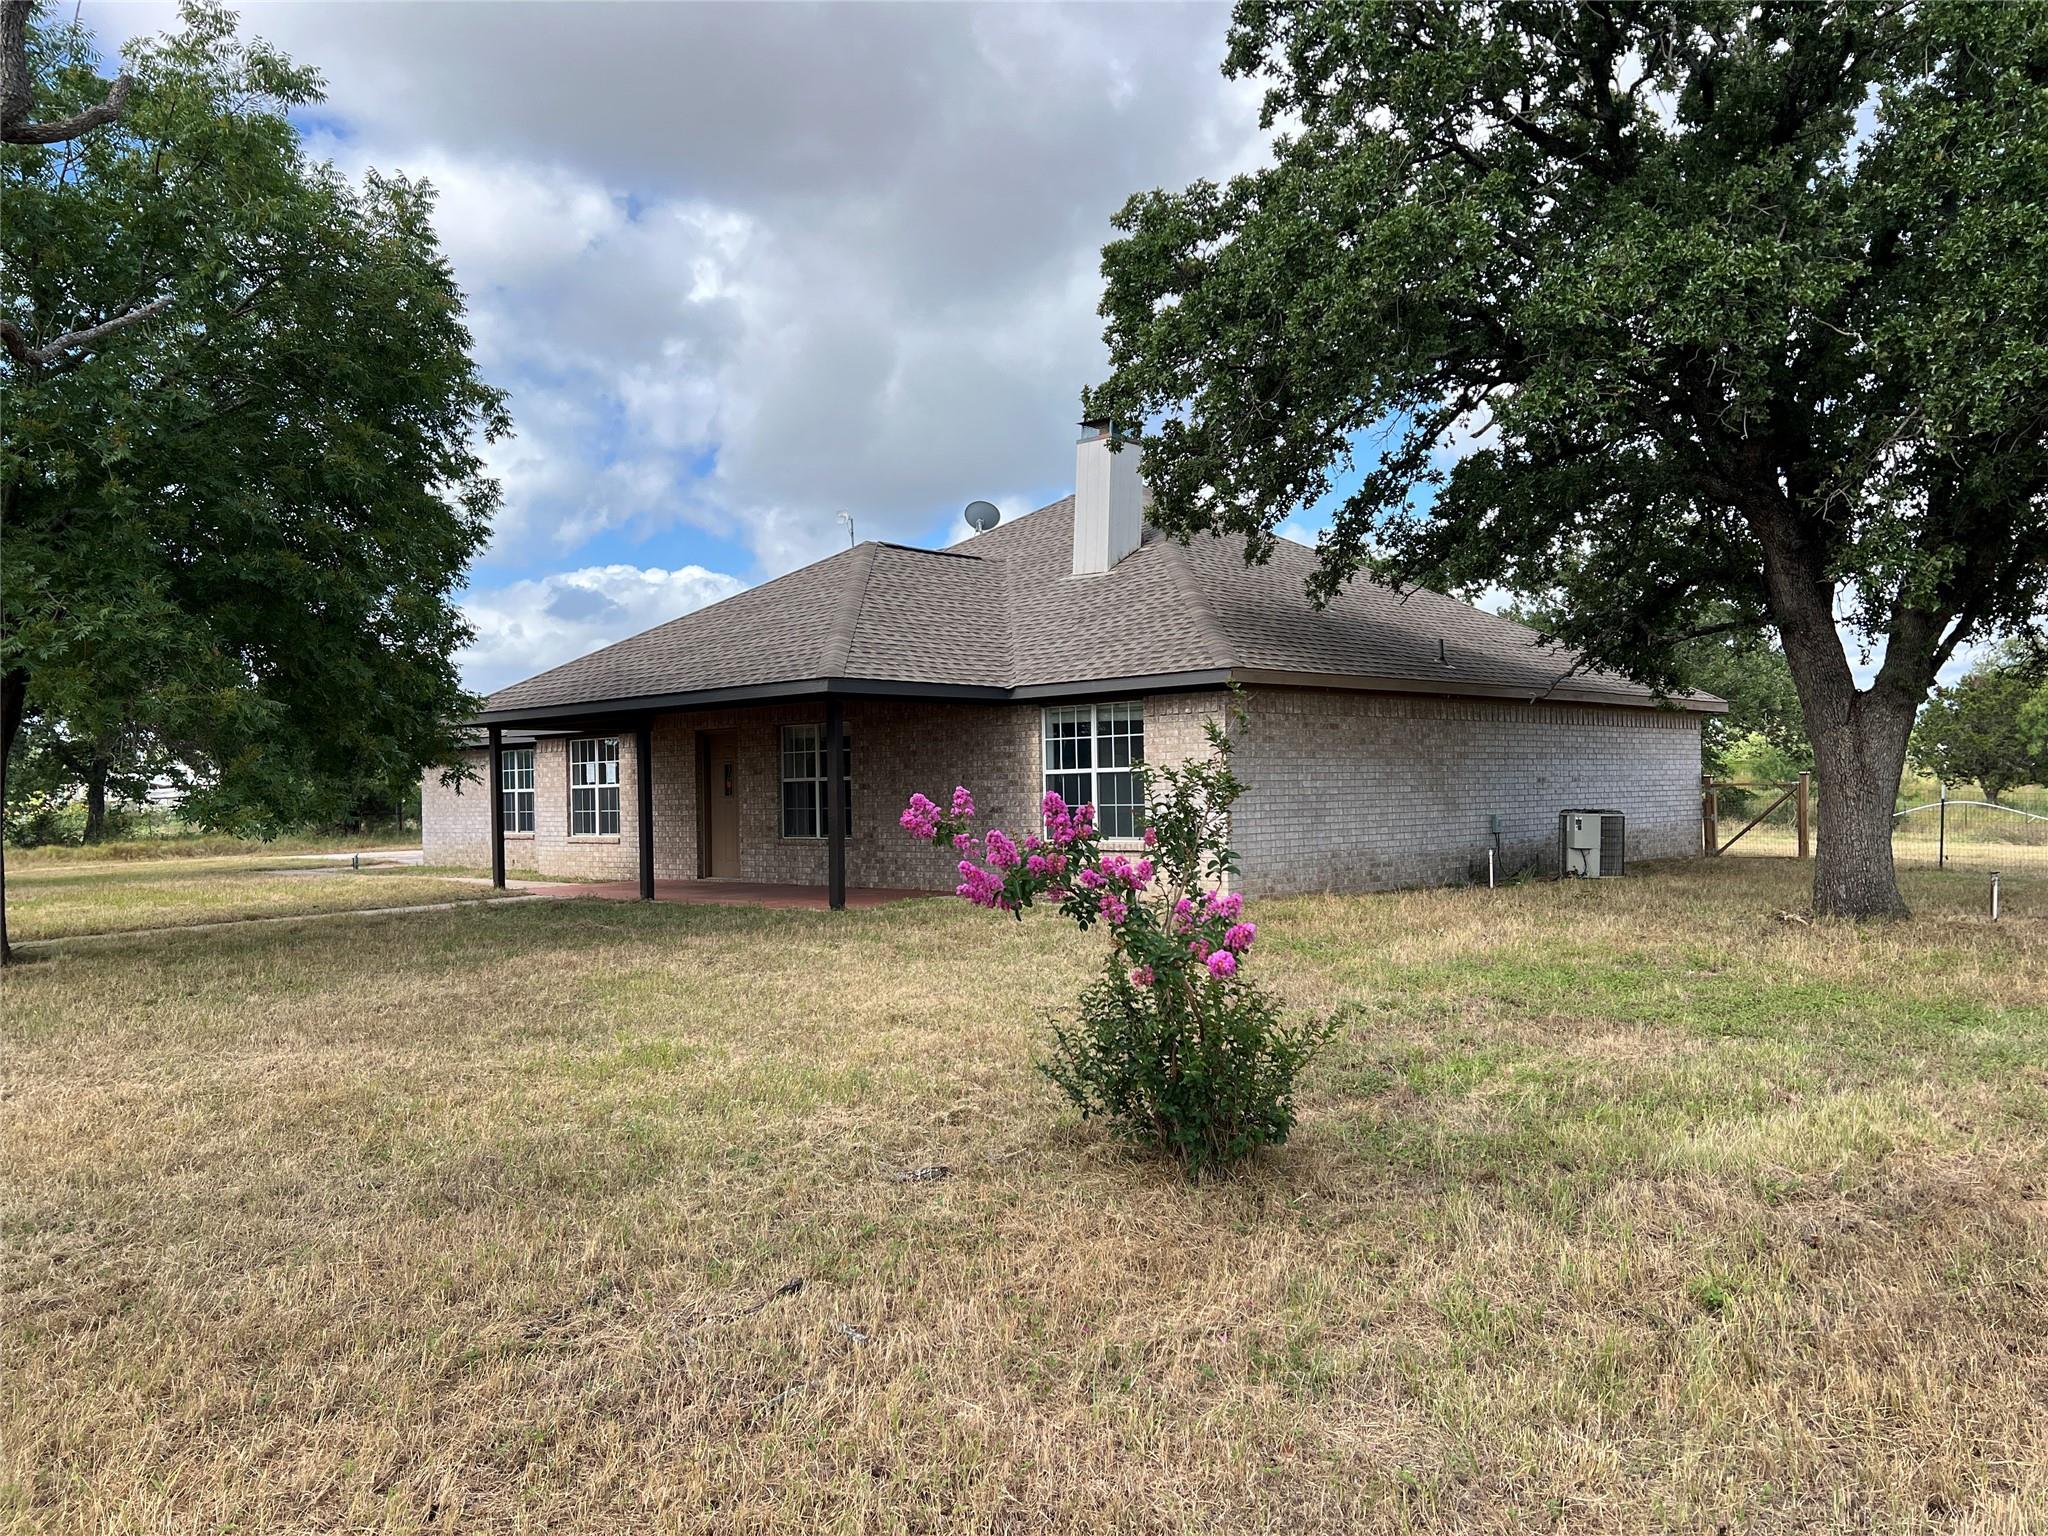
(1990, 728)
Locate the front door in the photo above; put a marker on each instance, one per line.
(721, 805)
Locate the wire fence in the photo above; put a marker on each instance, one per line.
(1970, 834)
(2010, 833)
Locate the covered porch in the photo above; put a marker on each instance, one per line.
(781, 796)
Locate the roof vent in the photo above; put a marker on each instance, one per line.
(1109, 499)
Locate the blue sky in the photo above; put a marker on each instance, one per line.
(742, 268)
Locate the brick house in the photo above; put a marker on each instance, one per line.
(1388, 739)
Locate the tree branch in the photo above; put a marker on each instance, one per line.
(17, 93)
(1709, 631)
(75, 341)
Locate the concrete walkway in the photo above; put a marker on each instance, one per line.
(367, 855)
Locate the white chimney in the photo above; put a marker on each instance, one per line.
(1109, 500)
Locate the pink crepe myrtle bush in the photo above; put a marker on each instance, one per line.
(1176, 1045)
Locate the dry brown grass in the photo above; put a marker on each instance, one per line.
(179, 842)
(61, 900)
(1619, 1208)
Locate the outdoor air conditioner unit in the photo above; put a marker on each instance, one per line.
(1591, 843)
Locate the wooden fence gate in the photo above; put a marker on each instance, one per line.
(1799, 791)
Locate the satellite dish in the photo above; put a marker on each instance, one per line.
(983, 515)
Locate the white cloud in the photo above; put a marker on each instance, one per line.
(743, 267)
(528, 626)
(1302, 529)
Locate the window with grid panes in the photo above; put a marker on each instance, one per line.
(594, 787)
(515, 782)
(1089, 753)
(804, 774)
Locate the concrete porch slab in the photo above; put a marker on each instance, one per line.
(725, 893)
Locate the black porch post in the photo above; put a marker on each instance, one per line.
(835, 806)
(643, 803)
(494, 773)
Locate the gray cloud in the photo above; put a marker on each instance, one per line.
(744, 266)
(851, 250)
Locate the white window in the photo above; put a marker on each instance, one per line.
(594, 787)
(515, 781)
(804, 773)
(1089, 750)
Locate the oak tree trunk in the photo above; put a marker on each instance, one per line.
(1858, 766)
(1859, 735)
(1859, 754)
(96, 800)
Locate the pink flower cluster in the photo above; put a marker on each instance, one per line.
(1202, 932)
(921, 819)
(1038, 863)
(1137, 876)
(1215, 906)
(1064, 824)
(983, 887)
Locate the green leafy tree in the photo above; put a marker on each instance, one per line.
(1689, 319)
(113, 763)
(1747, 669)
(1763, 724)
(238, 521)
(18, 123)
(1979, 731)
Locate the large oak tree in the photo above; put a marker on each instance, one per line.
(236, 523)
(1675, 318)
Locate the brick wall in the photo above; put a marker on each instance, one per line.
(550, 849)
(1349, 791)
(455, 819)
(898, 747)
(455, 827)
(1361, 791)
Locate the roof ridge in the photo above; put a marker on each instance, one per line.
(1198, 604)
(846, 617)
(921, 549)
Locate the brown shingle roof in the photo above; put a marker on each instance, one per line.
(1003, 612)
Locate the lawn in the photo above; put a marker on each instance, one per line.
(177, 841)
(61, 899)
(1618, 1207)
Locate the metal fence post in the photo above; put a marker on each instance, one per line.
(1941, 836)
(1710, 816)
